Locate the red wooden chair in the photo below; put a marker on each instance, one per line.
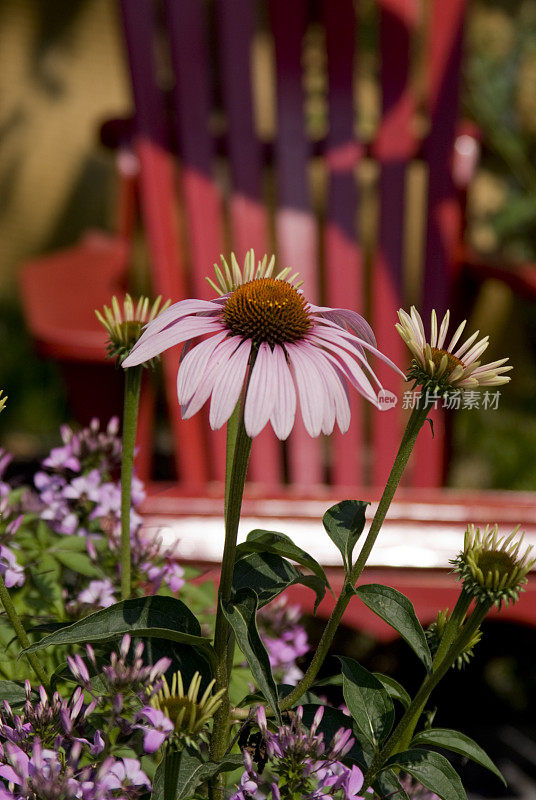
(203, 192)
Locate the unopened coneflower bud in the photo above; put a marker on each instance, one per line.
(491, 567)
(441, 367)
(2, 400)
(188, 713)
(125, 324)
(434, 634)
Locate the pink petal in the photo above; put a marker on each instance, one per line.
(355, 374)
(218, 361)
(176, 312)
(350, 338)
(261, 392)
(188, 328)
(310, 388)
(340, 394)
(193, 365)
(228, 384)
(344, 316)
(284, 409)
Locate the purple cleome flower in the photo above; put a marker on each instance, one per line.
(299, 760)
(285, 638)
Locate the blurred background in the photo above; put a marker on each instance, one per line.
(63, 72)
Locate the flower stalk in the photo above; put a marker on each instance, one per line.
(130, 421)
(21, 634)
(415, 423)
(240, 443)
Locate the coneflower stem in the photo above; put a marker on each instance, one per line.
(130, 421)
(172, 758)
(428, 685)
(452, 630)
(18, 628)
(223, 634)
(415, 423)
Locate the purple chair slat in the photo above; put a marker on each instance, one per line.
(249, 219)
(295, 227)
(344, 280)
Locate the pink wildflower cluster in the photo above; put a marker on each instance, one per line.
(284, 637)
(299, 760)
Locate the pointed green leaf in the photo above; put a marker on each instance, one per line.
(269, 575)
(395, 608)
(14, 693)
(458, 743)
(344, 525)
(386, 784)
(78, 562)
(367, 701)
(160, 617)
(432, 770)
(241, 616)
(394, 689)
(259, 541)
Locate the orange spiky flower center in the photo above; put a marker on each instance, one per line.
(267, 310)
(452, 361)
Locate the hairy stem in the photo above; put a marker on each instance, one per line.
(223, 640)
(428, 685)
(18, 628)
(415, 423)
(130, 421)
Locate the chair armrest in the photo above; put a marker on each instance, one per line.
(520, 277)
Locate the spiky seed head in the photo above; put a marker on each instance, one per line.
(3, 400)
(491, 567)
(189, 713)
(124, 324)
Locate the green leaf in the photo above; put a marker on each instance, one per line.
(344, 525)
(432, 770)
(458, 743)
(13, 692)
(395, 608)
(394, 689)
(78, 562)
(269, 575)
(367, 701)
(192, 771)
(386, 784)
(161, 617)
(361, 753)
(240, 614)
(259, 541)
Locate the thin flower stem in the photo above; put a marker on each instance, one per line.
(393, 744)
(18, 627)
(172, 758)
(222, 635)
(130, 421)
(452, 630)
(415, 423)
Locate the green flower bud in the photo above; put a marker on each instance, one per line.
(188, 713)
(124, 325)
(491, 566)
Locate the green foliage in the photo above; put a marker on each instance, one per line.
(367, 700)
(458, 743)
(344, 524)
(259, 541)
(395, 608)
(271, 574)
(432, 770)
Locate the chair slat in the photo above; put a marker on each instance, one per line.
(187, 28)
(158, 203)
(295, 228)
(344, 279)
(394, 147)
(444, 223)
(249, 219)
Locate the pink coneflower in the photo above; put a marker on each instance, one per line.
(296, 349)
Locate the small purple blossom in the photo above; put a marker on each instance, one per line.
(10, 569)
(285, 638)
(99, 594)
(158, 729)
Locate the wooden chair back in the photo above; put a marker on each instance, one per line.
(323, 135)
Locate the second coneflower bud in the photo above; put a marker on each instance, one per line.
(124, 323)
(493, 568)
